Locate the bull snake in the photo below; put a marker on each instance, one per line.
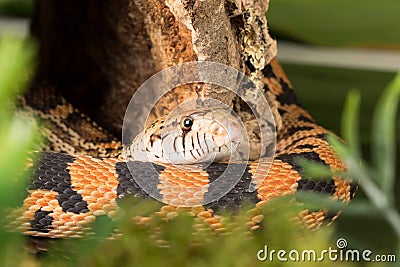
(82, 177)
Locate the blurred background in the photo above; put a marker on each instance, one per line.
(327, 48)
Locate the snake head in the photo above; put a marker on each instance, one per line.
(197, 136)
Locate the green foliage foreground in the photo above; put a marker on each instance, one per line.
(182, 245)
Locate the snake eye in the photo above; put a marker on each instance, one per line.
(187, 124)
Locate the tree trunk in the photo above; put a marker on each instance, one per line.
(97, 53)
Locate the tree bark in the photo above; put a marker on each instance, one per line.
(97, 53)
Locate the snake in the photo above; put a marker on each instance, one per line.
(81, 175)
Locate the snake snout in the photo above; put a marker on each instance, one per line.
(226, 135)
(234, 131)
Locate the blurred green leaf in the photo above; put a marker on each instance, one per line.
(316, 171)
(384, 136)
(366, 23)
(359, 171)
(351, 121)
(16, 133)
(17, 137)
(16, 67)
(378, 192)
(314, 201)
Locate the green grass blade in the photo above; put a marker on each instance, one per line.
(360, 172)
(17, 137)
(351, 121)
(315, 201)
(384, 137)
(314, 170)
(17, 61)
(16, 134)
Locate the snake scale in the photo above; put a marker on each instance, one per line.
(82, 177)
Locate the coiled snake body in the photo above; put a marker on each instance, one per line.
(70, 187)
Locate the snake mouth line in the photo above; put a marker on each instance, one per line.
(203, 155)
